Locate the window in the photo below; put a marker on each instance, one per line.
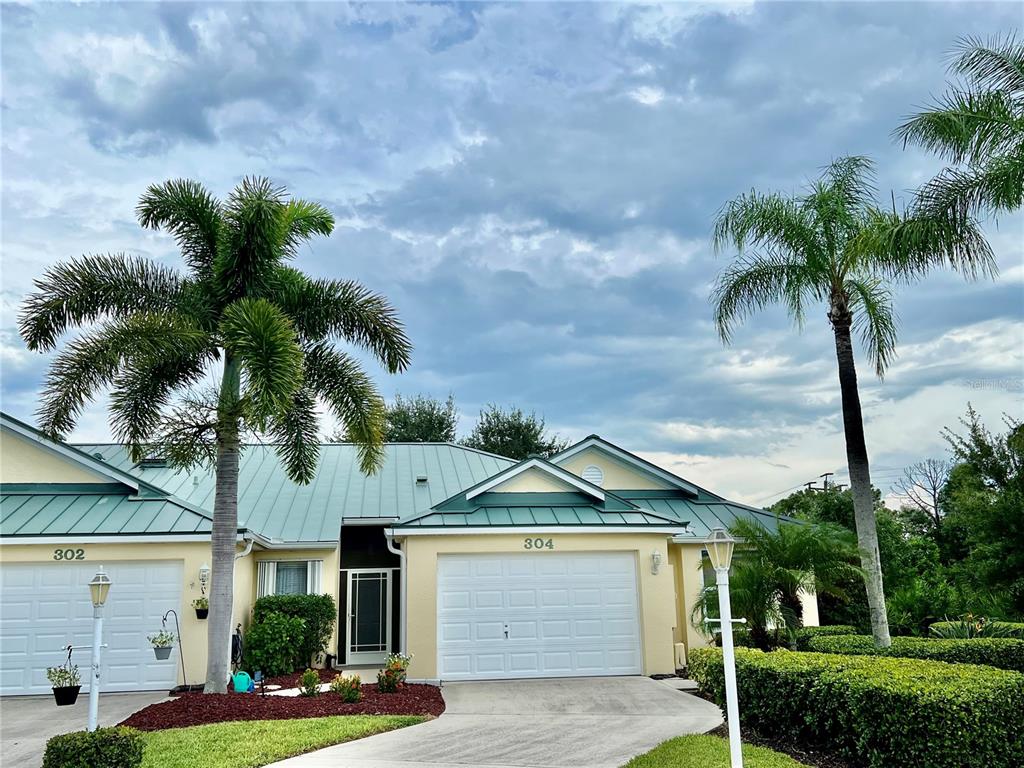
(288, 577)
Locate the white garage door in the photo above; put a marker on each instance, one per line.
(44, 607)
(537, 615)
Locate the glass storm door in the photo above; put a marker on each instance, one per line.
(369, 615)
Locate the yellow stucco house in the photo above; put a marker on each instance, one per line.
(587, 563)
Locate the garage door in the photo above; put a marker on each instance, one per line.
(43, 607)
(537, 615)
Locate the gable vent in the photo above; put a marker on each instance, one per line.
(593, 474)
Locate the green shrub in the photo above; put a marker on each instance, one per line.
(804, 634)
(877, 711)
(971, 628)
(270, 643)
(309, 683)
(1002, 652)
(103, 748)
(349, 687)
(318, 614)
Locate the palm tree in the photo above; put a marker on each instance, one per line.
(979, 127)
(834, 245)
(153, 335)
(775, 566)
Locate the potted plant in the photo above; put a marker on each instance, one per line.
(202, 606)
(163, 644)
(66, 683)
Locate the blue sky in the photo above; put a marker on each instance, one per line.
(533, 186)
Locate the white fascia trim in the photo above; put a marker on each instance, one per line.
(564, 475)
(353, 521)
(278, 544)
(623, 455)
(69, 539)
(81, 458)
(399, 533)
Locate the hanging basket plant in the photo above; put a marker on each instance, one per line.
(163, 644)
(66, 683)
(202, 606)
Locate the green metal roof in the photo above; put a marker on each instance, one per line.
(702, 516)
(273, 506)
(92, 509)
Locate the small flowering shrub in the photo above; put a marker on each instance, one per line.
(348, 687)
(392, 677)
(309, 683)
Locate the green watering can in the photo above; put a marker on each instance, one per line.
(242, 682)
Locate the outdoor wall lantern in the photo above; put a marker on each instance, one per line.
(204, 577)
(99, 588)
(655, 562)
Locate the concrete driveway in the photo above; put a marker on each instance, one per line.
(26, 722)
(593, 722)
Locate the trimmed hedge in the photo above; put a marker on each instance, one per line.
(804, 634)
(103, 748)
(1002, 652)
(878, 711)
(270, 644)
(1012, 628)
(318, 613)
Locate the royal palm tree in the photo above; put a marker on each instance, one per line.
(978, 125)
(773, 568)
(260, 333)
(833, 245)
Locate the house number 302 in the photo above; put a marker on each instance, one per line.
(538, 544)
(69, 554)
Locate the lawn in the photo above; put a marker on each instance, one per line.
(259, 742)
(708, 752)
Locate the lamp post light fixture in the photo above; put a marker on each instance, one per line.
(99, 588)
(720, 547)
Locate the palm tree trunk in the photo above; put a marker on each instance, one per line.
(225, 531)
(860, 475)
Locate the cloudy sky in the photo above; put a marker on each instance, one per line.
(533, 186)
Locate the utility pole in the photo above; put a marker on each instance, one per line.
(825, 478)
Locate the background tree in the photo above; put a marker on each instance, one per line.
(978, 125)
(775, 566)
(419, 419)
(834, 245)
(512, 433)
(239, 315)
(920, 488)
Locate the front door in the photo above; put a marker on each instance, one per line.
(369, 615)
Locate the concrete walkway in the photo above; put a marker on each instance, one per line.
(27, 722)
(592, 722)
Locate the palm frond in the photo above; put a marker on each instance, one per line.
(253, 237)
(353, 399)
(296, 436)
(302, 220)
(88, 289)
(322, 309)
(995, 63)
(752, 283)
(264, 341)
(771, 221)
(966, 126)
(93, 360)
(960, 193)
(874, 318)
(190, 213)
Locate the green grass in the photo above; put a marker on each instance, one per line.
(259, 742)
(708, 752)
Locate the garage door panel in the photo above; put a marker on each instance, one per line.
(46, 606)
(565, 614)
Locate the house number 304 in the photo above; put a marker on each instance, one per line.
(538, 544)
(69, 554)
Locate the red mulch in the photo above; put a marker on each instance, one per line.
(202, 708)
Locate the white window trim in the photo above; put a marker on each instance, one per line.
(266, 576)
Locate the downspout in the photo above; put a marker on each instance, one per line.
(248, 548)
(404, 598)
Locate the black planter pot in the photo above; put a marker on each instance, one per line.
(67, 695)
(163, 652)
(202, 613)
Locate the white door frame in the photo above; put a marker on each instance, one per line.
(367, 657)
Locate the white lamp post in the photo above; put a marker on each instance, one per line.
(720, 546)
(99, 588)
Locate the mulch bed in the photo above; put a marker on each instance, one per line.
(201, 708)
(799, 752)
